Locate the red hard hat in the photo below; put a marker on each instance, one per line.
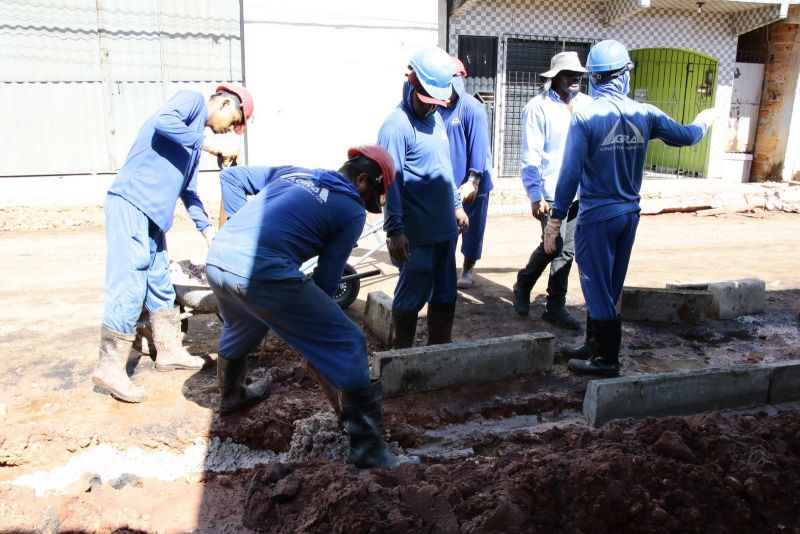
(379, 155)
(458, 67)
(247, 103)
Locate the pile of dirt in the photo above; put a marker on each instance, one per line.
(690, 474)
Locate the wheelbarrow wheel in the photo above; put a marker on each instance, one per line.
(348, 290)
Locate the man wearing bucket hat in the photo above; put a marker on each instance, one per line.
(468, 133)
(140, 206)
(605, 156)
(253, 267)
(423, 209)
(546, 121)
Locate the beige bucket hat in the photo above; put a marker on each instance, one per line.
(564, 61)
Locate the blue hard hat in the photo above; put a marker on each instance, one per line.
(434, 70)
(608, 56)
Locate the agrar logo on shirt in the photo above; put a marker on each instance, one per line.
(623, 136)
(306, 182)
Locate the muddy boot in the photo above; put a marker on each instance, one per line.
(404, 325)
(110, 374)
(330, 392)
(166, 325)
(234, 394)
(362, 416)
(587, 350)
(440, 324)
(605, 361)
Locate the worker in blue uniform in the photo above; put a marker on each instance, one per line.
(470, 154)
(605, 156)
(423, 213)
(253, 267)
(140, 206)
(546, 119)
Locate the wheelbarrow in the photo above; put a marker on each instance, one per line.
(194, 296)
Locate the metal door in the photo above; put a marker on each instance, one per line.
(681, 83)
(526, 58)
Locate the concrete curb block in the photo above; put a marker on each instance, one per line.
(664, 305)
(731, 298)
(438, 366)
(784, 383)
(688, 392)
(378, 316)
(678, 393)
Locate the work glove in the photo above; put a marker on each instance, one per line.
(462, 220)
(468, 191)
(540, 209)
(552, 231)
(209, 233)
(227, 145)
(708, 117)
(399, 249)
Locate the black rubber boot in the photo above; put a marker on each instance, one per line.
(522, 300)
(559, 316)
(362, 416)
(440, 324)
(233, 393)
(404, 326)
(605, 361)
(587, 350)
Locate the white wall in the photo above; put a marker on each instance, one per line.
(324, 75)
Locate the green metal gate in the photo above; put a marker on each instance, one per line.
(681, 83)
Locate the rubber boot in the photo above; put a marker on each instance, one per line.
(522, 299)
(234, 394)
(166, 327)
(587, 350)
(559, 316)
(362, 416)
(404, 325)
(440, 324)
(145, 332)
(605, 361)
(330, 392)
(110, 374)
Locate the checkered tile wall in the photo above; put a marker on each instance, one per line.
(709, 33)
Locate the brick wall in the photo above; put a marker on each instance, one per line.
(777, 98)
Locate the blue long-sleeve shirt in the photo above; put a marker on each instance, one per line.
(545, 120)
(237, 183)
(163, 162)
(298, 214)
(468, 132)
(606, 148)
(422, 200)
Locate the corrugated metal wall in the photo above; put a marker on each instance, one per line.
(79, 77)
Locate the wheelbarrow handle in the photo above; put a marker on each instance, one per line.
(365, 274)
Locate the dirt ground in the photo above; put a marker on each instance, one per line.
(499, 457)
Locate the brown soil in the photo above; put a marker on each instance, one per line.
(497, 457)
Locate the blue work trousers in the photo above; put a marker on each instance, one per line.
(472, 239)
(301, 314)
(429, 275)
(603, 251)
(137, 266)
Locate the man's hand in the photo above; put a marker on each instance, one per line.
(539, 209)
(462, 220)
(209, 233)
(399, 249)
(551, 232)
(468, 191)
